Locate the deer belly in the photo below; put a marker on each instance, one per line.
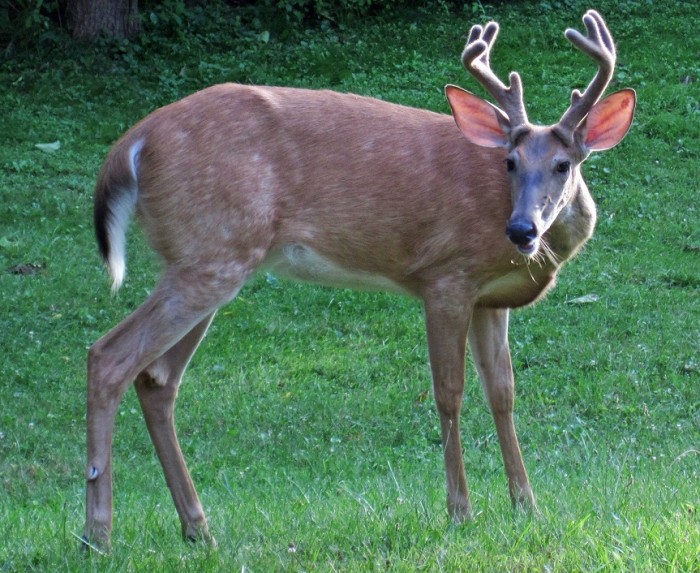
(520, 287)
(299, 262)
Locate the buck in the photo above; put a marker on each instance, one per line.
(472, 219)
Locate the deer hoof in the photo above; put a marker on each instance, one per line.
(88, 544)
(524, 500)
(199, 534)
(460, 510)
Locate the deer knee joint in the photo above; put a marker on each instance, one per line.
(502, 398)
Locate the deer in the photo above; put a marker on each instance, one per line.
(473, 213)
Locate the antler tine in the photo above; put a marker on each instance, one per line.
(599, 45)
(475, 58)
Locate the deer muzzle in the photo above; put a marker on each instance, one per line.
(524, 234)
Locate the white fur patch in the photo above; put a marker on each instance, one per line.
(121, 211)
(297, 261)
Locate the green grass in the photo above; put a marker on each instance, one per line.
(306, 417)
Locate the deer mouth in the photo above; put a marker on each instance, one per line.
(528, 249)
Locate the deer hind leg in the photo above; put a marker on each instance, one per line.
(447, 323)
(182, 300)
(488, 340)
(157, 387)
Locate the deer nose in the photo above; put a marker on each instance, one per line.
(522, 233)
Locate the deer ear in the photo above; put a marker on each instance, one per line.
(481, 123)
(609, 120)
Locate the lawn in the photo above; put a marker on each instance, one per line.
(306, 416)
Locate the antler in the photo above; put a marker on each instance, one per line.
(475, 58)
(599, 46)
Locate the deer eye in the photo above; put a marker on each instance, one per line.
(563, 167)
(510, 165)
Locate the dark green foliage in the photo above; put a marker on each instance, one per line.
(283, 14)
(30, 20)
(25, 22)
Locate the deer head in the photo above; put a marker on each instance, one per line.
(542, 162)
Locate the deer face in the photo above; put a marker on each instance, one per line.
(543, 162)
(544, 175)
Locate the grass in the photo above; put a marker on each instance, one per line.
(306, 416)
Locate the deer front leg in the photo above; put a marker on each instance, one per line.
(488, 340)
(157, 388)
(447, 322)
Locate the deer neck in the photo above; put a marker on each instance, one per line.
(575, 223)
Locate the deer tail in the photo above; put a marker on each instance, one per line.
(116, 194)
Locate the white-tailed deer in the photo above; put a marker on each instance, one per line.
(473, 219)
